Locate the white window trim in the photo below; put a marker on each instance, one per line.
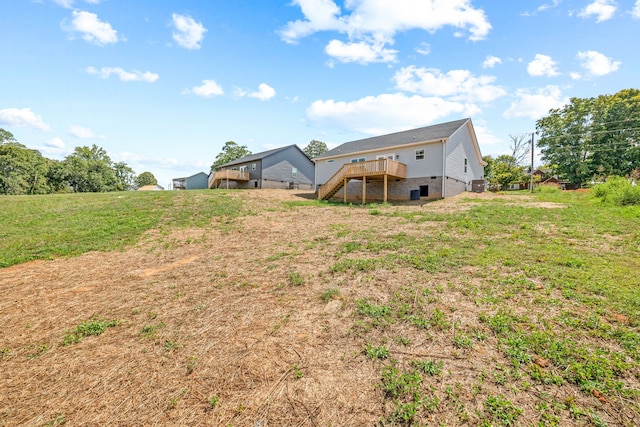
(423, 154)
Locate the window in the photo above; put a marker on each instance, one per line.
(465, 165)
(253, 166)
(386, 156)
(420, 154)
(294, 172)
(358, 160)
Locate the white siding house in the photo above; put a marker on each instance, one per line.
(434, 161)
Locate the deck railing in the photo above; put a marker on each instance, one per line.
(228, 175)
(371, 168)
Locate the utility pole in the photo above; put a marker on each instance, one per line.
(531, 184)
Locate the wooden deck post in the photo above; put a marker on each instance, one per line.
(345, 190)
(364, 189)
(385, 188)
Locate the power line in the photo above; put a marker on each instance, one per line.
(589, 133)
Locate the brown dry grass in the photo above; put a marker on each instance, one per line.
(228, 324)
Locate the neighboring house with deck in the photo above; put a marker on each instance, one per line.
(193, 182)
(431, 162)
(286, 167)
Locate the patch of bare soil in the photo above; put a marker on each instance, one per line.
(216, 328)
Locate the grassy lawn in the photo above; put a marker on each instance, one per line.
(502, 310)
(45, 227)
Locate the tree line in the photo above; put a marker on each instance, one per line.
(231, 151)
(587, 140)
(86, 169)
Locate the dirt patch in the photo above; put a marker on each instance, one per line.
(228, 324)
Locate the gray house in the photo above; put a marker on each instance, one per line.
(193, 182)
(430, 162)
(286, 167)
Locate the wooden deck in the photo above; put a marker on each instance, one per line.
(380, 169)
(226, 176)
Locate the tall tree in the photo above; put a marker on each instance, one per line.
(146, 178)
(6, 136)
(315, 149)
(230, 151)
(125, 176)
(90, 170)
(503, 170)
(22, 170)
(520, 146)
(593, 136)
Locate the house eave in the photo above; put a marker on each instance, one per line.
(381, 150)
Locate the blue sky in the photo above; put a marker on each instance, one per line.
(162, 85)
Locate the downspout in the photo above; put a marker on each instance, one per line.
(444, 166)
(315, 176)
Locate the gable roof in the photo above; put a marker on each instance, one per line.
(187, 177)
(258, 156)
(424, 134)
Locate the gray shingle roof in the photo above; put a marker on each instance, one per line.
(424, 134)
(253, 157)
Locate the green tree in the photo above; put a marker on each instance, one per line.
(593, 137)
(230, 151)
(146, 178)
(6, 136)
(315, 149)
(22, 170)
(504, 170)
(125, 176)
(90, 170)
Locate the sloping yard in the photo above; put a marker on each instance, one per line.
(485, 309)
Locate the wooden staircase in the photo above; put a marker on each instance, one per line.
(380, 169)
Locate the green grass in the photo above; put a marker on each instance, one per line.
(50, 226)
(551, 290)
(91, 327)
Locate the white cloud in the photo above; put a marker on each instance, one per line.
(546, 6)
(603, 9)
(491, 61)
(384, 113)
(597, 64)
(536, 104)
(188, 33)
(207, 89)
(362, 52)
(542, 65)
(91, 28)
(374, 23)
(460, 85)
(56, 143)
(636, 10)
(64, 3)
(264, 92)
(125, 76)
(23, 117)
(84, 133)
(484, 134)
(69, 3)
(425, 48)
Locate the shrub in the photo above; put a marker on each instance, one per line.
(618, 191)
